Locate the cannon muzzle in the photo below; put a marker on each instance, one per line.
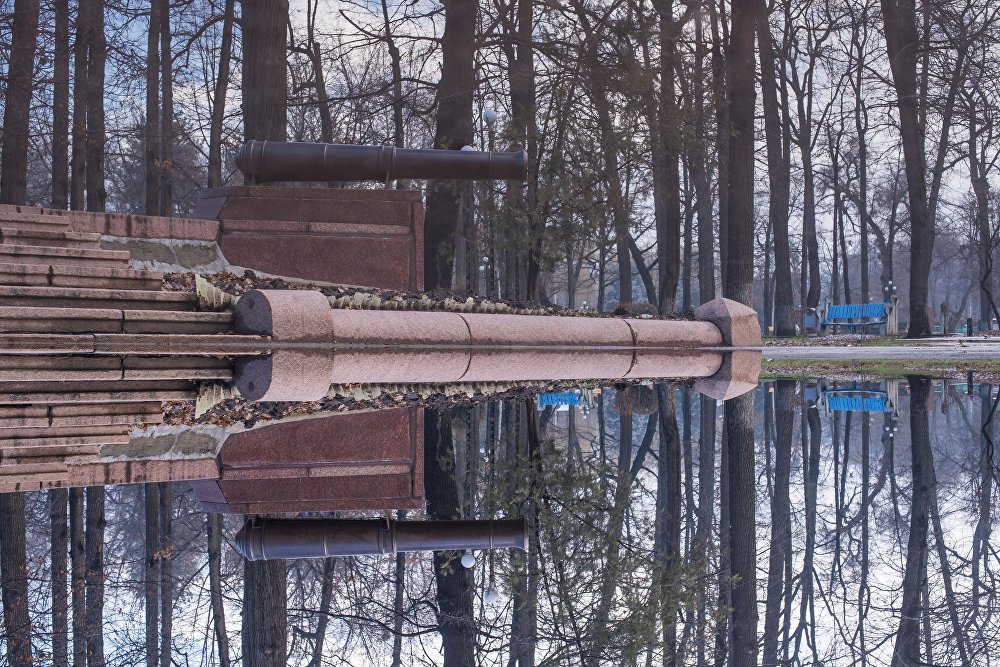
(270, 161)
(271, 539)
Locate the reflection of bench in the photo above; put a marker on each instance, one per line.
(856, 398)
(860, 315)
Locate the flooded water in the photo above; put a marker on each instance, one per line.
(807, 522)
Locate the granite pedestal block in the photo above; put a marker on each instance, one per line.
(371, 238)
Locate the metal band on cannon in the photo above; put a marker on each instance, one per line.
(273, 161)
(271, 539)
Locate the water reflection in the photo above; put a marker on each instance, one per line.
(793, 523)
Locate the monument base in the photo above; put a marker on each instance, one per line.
(371, 238)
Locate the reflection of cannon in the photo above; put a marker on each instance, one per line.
(269, 161)
(270, 539)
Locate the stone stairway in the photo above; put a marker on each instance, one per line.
(90, 348)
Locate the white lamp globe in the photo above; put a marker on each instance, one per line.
(468, 560)
(467, 147)
(491, 596)
(490, 115)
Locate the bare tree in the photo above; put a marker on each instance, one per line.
(17, 104)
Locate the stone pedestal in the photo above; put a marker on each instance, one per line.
(351, 461)
(371, 238)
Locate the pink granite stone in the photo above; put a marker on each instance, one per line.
(661, 363)
(376, 437)
(350, 236)
(739, 374)
(402, 366)
(737, 323)
(532, 331)
(501, 365)
(674, 333)
(285, 375)
(391, 328)
(287, 316)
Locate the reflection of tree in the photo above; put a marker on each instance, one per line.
(742, 528)
(907, 651)
(627, 552)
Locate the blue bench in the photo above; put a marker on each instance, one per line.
(858, 315)
(860, 399)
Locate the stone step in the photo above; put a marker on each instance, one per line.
(23, 368)
(177, 368)
(114, 413)
(177, 322)
(57, 238)
(106, 278)
(220, 345)
(95, 393)
(28, 254)
(28, 368)
(46, 275)
(45, 416)
(33, 221)
(54, 469)
(22, 449)
(20, 319)
(24, 416)
(30, 343)
(94, 298)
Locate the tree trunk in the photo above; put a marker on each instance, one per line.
(214, 529)
(524, 136)
(151, 582)
(14, 572)
(94, 576)
(666, 175)
(907, 647)
(704, 517)
(96, 133)
(399, 586)
(265, 613)
(325, 595)
(778, 176)
(265, 70)
(58, 522)
(152, 129)
(902, 43)
(742, 527)
(781, 532)
(17, 103)
(167, 115)
(166, 572)
(454, 582)
(60, 106)
(720, 71)
(219, 98)
(395, 60)
(78, 160)
(740, 78)
(78, 568)
(668, 492)
(984, 234)
(453, 130)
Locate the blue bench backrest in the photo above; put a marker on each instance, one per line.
(567, 398)
(858, 403)
(856, 311)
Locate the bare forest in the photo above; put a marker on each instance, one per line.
(777, 153)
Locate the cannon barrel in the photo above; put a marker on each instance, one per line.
(270, 539)
(270, 161)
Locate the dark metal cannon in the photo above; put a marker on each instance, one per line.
(270, 539)
(270, 161)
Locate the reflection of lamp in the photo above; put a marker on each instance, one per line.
(270, 539)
